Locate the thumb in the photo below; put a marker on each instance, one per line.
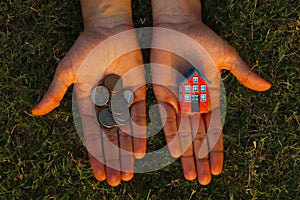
(241, 71)
(63, 78)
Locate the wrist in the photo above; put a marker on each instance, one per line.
(176, 11)
(106, 13)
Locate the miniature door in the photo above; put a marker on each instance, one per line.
(195, 103)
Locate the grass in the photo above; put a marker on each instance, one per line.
(43, 157)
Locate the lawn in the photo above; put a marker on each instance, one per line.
(44, 158)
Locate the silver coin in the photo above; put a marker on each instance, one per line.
(129, 96)
(122, 119)
(100, 95)
(118, 104)
(113, 83)
(106, 119)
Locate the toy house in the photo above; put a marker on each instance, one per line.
(193, 93)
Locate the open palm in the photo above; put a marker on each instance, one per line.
(196, 137)
(94, 55)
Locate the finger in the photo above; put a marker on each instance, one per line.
(59, 85)
(215, 142)
(111, 154)
(126, 152)
(138, 124)
(93, 143)
(98, 168)
(92, 136)
(113, 175)
(201, 150)
(187, 158)
(168, 115)
(168, 107)
(138, 121)
(241, 71)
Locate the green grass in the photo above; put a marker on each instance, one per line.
(43, 157)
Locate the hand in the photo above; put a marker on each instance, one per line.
(101, 50)
(180, 41)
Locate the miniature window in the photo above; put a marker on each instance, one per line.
(203, 98)
(195, 79)
(180, 88)
(203, 88)
(180, 97)
(187, 98)
(187, 88)
(195, 88)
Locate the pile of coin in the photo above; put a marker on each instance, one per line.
(112, 102)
